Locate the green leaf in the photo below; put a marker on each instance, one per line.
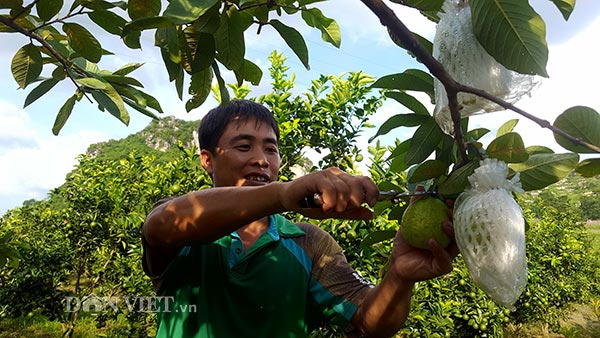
(229, 40)
(131, 93)
(110, 99)
(109, 21)
(476, 134)
(411, 79)
(580, 122)
(223, 93)
(209, 22)
(377, 236)
(122, 80)
(26, 65)
(39, 91)
(132, 40)
(92, 83)
(143, 8)
(47, 9)
(513, 33)
(458, 180)
(252, 72)
(409, 102)
(83, 42)
(507, 127)
(508, 148)
(199, 50)
(152, 102)
(401, 120)
(186, 11)
(424, 142)
(398, 155)
(428, 169)
(168, 41)
(63, 114)
(179, 84)
(146, 23)
(98, 4)
(589, 167)
(541, 170)
(565, 7)
(539, 150)
(128, 68)
(423, 5)
(293, 39)
(139, 108)
(11, 4)
(330, 31)
(199, 88)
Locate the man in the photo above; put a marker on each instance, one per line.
(228, 265)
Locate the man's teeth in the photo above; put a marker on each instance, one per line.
(258, 178)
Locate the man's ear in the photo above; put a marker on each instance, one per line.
(206, 160)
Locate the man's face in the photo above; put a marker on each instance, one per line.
(247, 154)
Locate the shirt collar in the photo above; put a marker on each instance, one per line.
(280, 226)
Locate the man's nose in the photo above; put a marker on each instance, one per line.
(260, 158)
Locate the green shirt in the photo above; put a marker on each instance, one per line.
(293, 279)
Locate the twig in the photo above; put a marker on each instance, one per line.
(541, 122)
(399, 31)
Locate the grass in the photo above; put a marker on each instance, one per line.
(39, 326)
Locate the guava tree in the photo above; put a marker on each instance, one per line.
(201, 39)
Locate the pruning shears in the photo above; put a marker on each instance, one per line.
(395, 196)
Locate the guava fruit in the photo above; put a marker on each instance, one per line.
(423, 220)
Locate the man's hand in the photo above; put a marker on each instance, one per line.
(343, 195)
(413, 264)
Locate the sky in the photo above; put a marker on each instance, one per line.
(33, 161)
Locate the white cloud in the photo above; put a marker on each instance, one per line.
(32, 164)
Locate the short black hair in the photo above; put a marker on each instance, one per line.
(213, 124)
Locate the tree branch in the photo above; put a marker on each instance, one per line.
(62, 60)
(541, 122)
(401, 33)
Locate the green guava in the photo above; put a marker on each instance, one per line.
(423, 220)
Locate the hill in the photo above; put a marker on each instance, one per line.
(159, 138)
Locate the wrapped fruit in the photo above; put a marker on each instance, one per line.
(490, 232)
(457, 49)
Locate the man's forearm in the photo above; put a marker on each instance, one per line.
(386, 307)
(203, 216)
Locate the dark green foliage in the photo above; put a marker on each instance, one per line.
(563, 267)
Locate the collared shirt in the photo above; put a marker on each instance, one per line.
(293, 279)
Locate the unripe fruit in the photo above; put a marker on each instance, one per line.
(422, 220)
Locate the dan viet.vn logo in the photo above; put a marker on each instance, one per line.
(93, 303)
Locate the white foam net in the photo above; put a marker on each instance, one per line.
(457, 49)
(490, 233)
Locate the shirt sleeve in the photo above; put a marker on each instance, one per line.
(335, 285)
(155, 279)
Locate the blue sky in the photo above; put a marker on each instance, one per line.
(33, 161)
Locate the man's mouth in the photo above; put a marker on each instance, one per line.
(257, 178)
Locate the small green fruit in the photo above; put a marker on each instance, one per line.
(423, 220)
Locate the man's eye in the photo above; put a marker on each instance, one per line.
(273, 150)
(243, 147)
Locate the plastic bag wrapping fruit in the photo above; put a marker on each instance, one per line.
(490, 232)
(457, 49)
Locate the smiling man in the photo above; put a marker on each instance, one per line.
(228, 264)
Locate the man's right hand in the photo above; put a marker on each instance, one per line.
(342, 195)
